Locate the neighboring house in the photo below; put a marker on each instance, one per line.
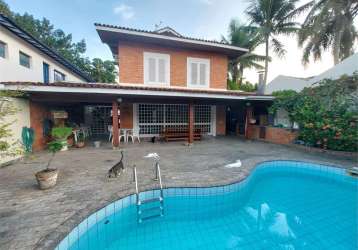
(281, 82)
(24, 58)
(166, 82)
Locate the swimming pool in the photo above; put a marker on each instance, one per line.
(281, 205)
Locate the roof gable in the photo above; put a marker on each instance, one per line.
(112, 35)
(168, 32)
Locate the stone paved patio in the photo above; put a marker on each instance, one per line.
(34, 219)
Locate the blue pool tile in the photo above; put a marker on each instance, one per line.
(101, 214)
(92, 220)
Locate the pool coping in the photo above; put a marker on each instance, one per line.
(53, 239)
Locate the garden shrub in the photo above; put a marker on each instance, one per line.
(327, 112)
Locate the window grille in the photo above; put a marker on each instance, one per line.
(154, 118)
(202, 118)
(98, 117)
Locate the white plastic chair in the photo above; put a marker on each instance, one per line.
(133, 134)
(110, 131)
(122, 133)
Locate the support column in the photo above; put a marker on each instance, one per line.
(115, 124)
(191, 124)
(249, 115)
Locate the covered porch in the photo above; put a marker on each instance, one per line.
(147, 112)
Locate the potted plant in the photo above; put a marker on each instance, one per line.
(80, 141)
(47, 178)
(61, 134)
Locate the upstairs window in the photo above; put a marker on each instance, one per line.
(156, 68)
(2, 49)
(58, 76)
(46, 72)
(198, 72)
(24, 59)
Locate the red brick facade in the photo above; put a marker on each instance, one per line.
(220, 120)
(130, 58)
(38, 113)
(272, 134)
(126, 116)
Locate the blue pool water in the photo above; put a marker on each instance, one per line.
(282, 205)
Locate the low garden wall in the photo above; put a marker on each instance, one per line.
(271, 134)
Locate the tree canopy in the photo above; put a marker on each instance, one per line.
(329, 25)
(63, 44)
(246, 37)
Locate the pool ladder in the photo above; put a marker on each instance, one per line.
(153, 207)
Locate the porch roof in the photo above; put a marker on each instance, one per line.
(127, 90)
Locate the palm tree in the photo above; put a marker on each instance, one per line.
(245, 37)
(329, 26)
(273, 18)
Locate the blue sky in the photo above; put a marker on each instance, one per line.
(197, 18)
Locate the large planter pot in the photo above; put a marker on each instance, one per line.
(47, 178)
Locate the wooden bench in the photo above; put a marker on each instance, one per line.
(172, 134)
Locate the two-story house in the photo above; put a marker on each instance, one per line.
(166, 82)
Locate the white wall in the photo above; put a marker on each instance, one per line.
(281, 82)
(347, 67)
(11, 70)
(286, 82)
(21, 118)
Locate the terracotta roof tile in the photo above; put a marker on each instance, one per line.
(134, 87)
(156, 33)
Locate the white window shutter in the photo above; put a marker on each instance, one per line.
(161, 71)
(194, 73)
(198, 72)
(203, 69)
(152, 69)
(156, 68)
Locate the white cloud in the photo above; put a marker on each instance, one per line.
(125, 11)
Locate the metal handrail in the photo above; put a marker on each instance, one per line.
(159, 175)
(136, 182)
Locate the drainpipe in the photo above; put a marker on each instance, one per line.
(261, 86)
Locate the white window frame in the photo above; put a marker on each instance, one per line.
(60, 73)
(199, 61)
(156, 56)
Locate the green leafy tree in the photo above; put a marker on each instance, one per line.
(5, 9)
(245, 86)
(103, 71)
(246, 37)
(329, 25)
(273, 18)
(61, 42)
